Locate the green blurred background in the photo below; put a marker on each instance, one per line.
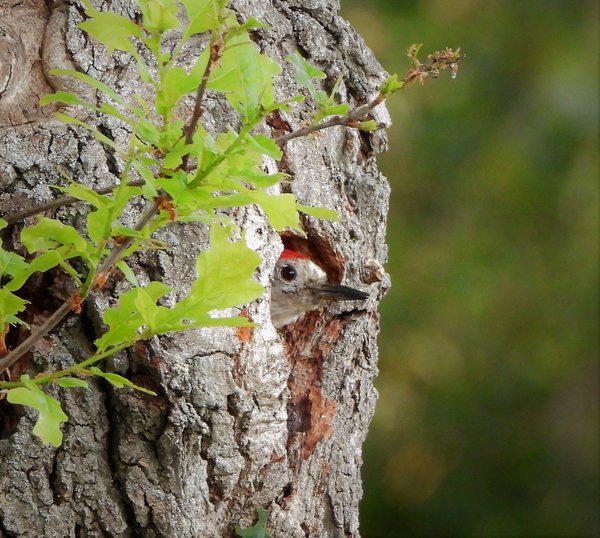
(487, 423)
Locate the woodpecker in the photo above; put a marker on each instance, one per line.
(300, 285)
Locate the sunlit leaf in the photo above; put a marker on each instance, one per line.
(245, 76)
(72, 382)
(127, 272)
(318, 212)
(119, 381)
(66, 98)
(305, 72)
(42, 263)
(11, 263)
(112, 30)
(48, 233)
(391, 85)
(265, 145)
(66, 118)
(203, 15)
(51, 415)
(159, 15)
(125, 320)
(10, 306)
(224, 280)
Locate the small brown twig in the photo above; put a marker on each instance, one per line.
(216, 52)
(59, 202)
(357, 114)
(38, 333)
(436, 62)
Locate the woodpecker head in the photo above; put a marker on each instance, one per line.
(300, 285)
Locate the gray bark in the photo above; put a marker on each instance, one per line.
(268, 419)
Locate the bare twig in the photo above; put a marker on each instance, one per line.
(216, 51)
(190, 128)
(355, 115)
(37, 334)
(59, 202)
(436, 62)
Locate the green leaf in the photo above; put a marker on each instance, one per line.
(47, 234)
(203, 15)
(159, 15)
(71, 382)
(144, 72)
(391, 85)
(330, 110)
(51, 415)
(265, 145)
(305, 72)
(101, 222)
(368, 125)
(245, 76)
(318, 212)
(66, 118)
(81, 192)
(91, 82)
(112, 30)
(175, 157)
(125, 320)
(280, 210)
(10, 306)
(259, 529)
(147, 131)
(148, 309)
(127, 272)
(45, 261)
(224, 280)
(119, 381)
(60, 97)
(174, 85)
(52, 235)
(11, 263)
(253, 22)
(225, 273)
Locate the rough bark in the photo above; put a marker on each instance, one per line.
(242, 420)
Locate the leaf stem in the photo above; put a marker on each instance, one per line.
(40, 380)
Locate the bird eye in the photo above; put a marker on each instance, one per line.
(288, 273)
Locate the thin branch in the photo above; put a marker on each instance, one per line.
(116, 252)
(37, 334)
(59, 202)
(216, 51)
(190, 129)
(355, 115)
(436, 62)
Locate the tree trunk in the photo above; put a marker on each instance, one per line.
(243, 419)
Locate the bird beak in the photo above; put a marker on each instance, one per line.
(337, 292)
